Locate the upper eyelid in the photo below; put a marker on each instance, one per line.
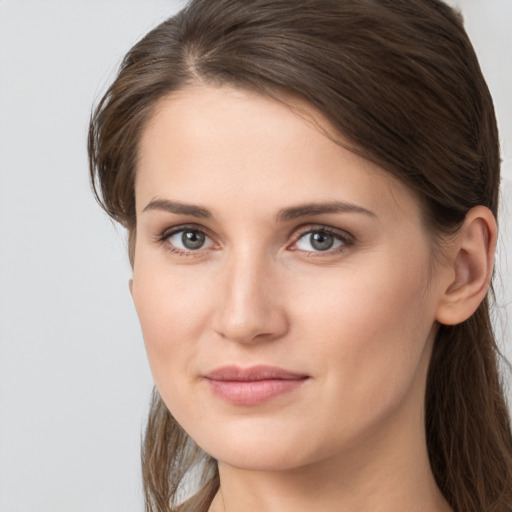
(301, 230)
(184, 227)
(341, 233)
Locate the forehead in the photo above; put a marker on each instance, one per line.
(215, 145)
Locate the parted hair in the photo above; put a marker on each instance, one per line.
(398, 79)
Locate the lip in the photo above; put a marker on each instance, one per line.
(254, 385)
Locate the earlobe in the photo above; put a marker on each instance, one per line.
(471, 264)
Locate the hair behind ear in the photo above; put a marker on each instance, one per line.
(468, 428)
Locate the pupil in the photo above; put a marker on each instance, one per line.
(322, 241)
(192, 239)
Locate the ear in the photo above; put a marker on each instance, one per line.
(130, 285)
(471, 259)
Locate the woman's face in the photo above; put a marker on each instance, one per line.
(284, 285)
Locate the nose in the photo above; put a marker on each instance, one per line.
(250, 307)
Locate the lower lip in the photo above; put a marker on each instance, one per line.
(253, 392)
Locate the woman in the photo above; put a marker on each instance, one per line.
(310, 191)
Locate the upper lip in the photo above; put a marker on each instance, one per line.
(252, 373)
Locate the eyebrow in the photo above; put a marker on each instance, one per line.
(283, 215)
(320, 208)
(178, 208)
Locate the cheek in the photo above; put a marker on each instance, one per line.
(368, 331)
(365, 300)
(173, 308)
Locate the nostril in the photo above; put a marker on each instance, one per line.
(253, 326)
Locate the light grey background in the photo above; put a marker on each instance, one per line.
(74, 381)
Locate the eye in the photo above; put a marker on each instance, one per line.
(321, 240)
(187, 240)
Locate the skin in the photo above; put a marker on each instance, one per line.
(358, 320)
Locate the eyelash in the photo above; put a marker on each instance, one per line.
(167, 234)
(345, 238)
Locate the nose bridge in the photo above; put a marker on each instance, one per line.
(248, 306)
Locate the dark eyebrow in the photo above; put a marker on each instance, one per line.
(283, 215)
(178, 208)
(320, 208)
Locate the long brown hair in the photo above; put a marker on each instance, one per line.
(400, 80)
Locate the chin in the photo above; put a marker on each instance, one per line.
(267, 458)
(256, 447)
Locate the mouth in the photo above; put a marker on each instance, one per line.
(254, 385)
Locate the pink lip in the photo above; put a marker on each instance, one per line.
(254, 385)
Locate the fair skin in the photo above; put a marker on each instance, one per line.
(234, 267)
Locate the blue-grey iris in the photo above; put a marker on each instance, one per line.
(321, 241)
(192, 239)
